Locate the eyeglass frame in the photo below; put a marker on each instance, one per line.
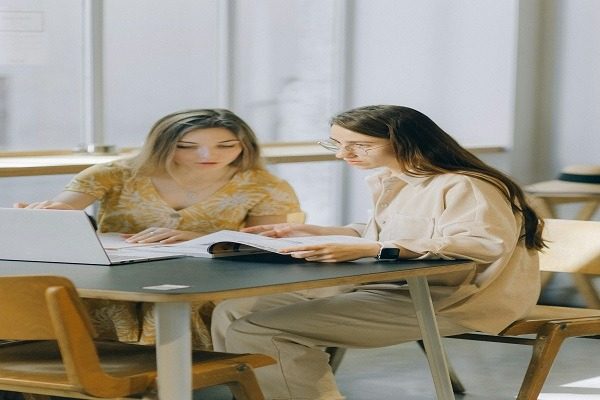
(354, 148)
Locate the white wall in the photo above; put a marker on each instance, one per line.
(159, 57)
(39, 96)
(452, 60)
(558, 88)
(575, 132)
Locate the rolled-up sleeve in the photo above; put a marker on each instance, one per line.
(97, 180)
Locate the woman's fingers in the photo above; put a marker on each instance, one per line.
(173, 237)
(37, 204)
(157, 235)
(255, 229)
(260, 229)
(271, 230)
(144, 236)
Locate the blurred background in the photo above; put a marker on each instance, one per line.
(520, 78)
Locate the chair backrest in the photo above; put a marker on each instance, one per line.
(573, 246)
(49, 308)
(24, 314)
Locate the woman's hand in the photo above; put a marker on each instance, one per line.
(333, 252)
(47, 204)
(160, 235)
(286, 230)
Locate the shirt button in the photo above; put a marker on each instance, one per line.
(384, 204)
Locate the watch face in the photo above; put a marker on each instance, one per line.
(389, 253)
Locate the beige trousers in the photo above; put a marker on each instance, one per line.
(296, 334)
(230, 310)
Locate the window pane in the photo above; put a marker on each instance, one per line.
(283, 64)
(159, 57)
(284, 86)
(40, 70)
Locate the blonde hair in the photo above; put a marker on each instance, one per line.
(158, 149)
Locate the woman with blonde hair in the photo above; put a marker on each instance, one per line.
(199, 171)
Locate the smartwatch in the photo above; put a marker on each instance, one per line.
(388, 253)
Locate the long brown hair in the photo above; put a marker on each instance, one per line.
(422, 148)
(157, 151)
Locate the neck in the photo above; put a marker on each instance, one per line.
(186, 178)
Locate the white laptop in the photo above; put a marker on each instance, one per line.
(65, 236)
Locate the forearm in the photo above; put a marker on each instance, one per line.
(76, 200)
(338, 230)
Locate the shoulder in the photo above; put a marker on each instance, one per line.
(121, 170)
(473, 182)
(263, 184)
(460, 185)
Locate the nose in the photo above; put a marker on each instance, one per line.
(203, 151)
(343, 151)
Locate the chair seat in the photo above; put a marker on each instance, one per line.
(38, 365)
(541, 315)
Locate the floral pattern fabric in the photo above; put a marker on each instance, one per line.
(130, 204)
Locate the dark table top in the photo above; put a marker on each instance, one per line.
(213, 279)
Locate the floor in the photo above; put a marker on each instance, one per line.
(490, 371)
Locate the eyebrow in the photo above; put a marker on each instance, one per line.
(222, 141)
(353, 141)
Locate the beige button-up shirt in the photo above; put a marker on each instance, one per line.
(454, 216)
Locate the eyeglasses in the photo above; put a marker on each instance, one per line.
(354, 148)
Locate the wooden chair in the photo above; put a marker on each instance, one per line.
(54, 352)
(573, 246)
(577, 186)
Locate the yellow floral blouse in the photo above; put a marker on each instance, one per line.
(130, 204)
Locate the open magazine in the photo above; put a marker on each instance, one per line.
(232, 243)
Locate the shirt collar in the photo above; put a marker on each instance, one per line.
(387, 175)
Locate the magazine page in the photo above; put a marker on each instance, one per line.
(233, 242)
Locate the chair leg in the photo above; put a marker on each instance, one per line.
(547, 344)
(457, 386)
(588, 291)
(246, 387)
(336, 354)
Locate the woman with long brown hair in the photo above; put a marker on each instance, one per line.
(432, 199)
